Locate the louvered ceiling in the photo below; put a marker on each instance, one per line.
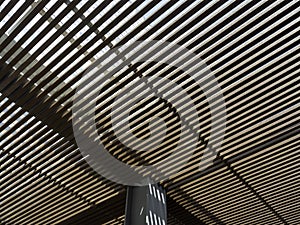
(251, 48)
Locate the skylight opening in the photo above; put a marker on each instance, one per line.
(73, 25)
(164, 50)
(38, 31)
(100, 53)
(133, 26)
(67, 18)
(27, 27)
(31, 23)
(59, 10)
(52, 32)
(83, 2)
(4, 112)
(103, 12)
(57, 53)
(74, 51)
(19, 20)
(41, 42)
(154, 9)
(81, 32)
(78, 59)
(114, 16)
(87, 74)
(196, 26)
(4, 4)
(10, 14)
(247, 33)
(66, 46)
(95, 45)
(3, 102)
(143, 31)
(49, 5)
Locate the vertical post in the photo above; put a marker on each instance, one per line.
(146, 205)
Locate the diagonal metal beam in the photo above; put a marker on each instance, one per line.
(29, 101)
(106, 211)
(180, 214)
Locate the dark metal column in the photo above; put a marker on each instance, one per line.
(146, 205)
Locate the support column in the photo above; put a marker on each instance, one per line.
(146, 205)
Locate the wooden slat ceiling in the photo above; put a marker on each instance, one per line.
(252, 49)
